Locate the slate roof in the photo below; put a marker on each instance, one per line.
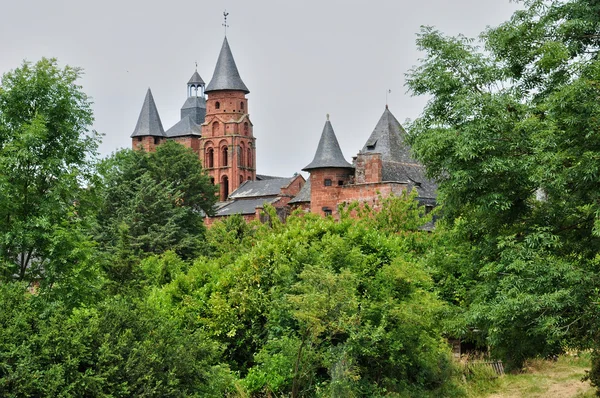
(226, 76)
(303, 195)
(243, 206)
(149, 121)
(253, 189)
(195, 79)
(388, 139)
(194, 102)
(185, 126)
(261, 177)
(328, 152)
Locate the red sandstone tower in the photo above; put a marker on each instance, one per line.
(227, 146)
(329, 173)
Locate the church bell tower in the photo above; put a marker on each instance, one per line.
(227, 146)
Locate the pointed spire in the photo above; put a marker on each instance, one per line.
(149, 121)
(195, 79)
(226, 76)
(328, 152)
(388, 139)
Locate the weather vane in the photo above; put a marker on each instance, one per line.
(196, 65)
(225, 14)
(388, 91)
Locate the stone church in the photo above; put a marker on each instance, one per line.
(215, 124)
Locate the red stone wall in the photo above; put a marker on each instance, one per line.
(228, 126)
(329, 197)
(189, 142)
(368, 168)
(146, 143)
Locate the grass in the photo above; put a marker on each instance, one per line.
(540, 378)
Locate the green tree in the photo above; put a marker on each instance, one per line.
(511, 134)
(46, 155)
(159, 198)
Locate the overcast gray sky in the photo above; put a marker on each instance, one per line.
(300, 60)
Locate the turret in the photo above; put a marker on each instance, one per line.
(148, 132)
(329, 173)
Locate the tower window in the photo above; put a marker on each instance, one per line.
(241, 180)
(156, 140)
(327, 182)
(249, 157)
(210, 158)
(224, 188)
(242, 105)
(212, 180)
(327, 211)
(340, 182)
(224, 153)
(217, 105)
(140, 139)
(246, 128)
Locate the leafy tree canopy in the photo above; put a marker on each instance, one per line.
(511, 133)
(46, 155)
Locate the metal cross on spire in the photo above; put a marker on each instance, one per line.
(225, 14)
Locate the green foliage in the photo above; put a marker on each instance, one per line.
(46, 150)
(315, 307)
(159, 198)
(510, 134)
(118, 348)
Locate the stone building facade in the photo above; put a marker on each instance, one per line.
(215, 123)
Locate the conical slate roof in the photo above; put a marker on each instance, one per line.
(226, 76)
(149, 121)
(195, 79)
(328, 153)
(388, 139)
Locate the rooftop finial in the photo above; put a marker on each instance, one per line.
(328, 116)
(196, 65)
(386, 97)
(225, 14)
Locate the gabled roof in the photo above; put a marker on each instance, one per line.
(195, 79)
(149, 121)
(303, 195)
(194, 102)
(388, 139)
(243, 206)
(328, 152)
(253, 189)
(226, 76)
(185, 126)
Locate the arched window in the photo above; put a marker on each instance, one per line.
(217, 105)
(215, 128)
(241, 105)
(249, 178)
(224, 188)
(242, 154)
(246, 128)
(241, 180)
(212, 180)
(224, 153)
(210, 158)
(239, 156)
(249, 159)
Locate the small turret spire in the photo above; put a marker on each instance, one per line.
(329, 153)
(149, 123)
